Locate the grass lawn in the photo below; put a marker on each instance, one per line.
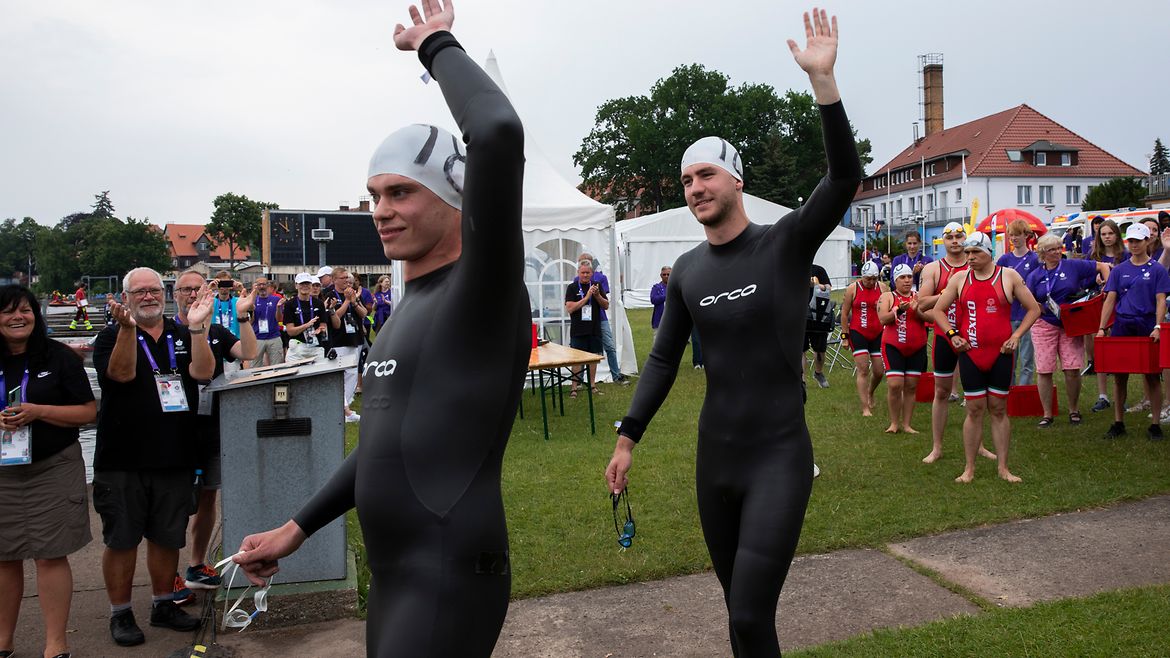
(873, 488)
(1123, 623)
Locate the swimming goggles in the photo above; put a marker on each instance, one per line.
(625, 531)
(237, 617)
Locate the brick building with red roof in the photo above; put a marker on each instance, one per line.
(1017, 158)
(189, 245)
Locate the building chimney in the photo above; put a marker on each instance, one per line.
(364, 205)
(932, 92)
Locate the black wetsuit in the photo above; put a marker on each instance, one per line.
(441, 389)
(749, 299)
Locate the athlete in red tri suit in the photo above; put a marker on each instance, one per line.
(933, 281)
(986, 343)
(859, 314)
(903, 347)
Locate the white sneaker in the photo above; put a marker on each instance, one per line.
(1166, 414)
(352, 417)
(1144, 406)
(816, 471)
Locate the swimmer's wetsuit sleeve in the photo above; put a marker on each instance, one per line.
(493, 195)
(806, 227)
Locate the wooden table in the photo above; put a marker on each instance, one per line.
(550, 361)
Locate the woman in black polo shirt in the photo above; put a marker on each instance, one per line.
(44, 515)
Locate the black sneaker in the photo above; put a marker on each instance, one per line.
(1154, 432)
(1116, 430)
(1101, 405)
(1088, 370)
(125, 630)
(168, 615)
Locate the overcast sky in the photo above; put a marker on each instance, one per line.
(168, 105)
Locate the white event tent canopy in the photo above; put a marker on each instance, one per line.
(560, 224)
(647, 243)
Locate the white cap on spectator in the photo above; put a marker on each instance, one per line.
(304, 278)
(1137, 231)
(325, 271)
(314, 279)
(903, 270)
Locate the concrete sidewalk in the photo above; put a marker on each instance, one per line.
(827, 597)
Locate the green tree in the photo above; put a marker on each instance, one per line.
(631, 157)
(1115, 193)
(102, 206)
(794, 157)
(17, 245)
(116, 247)
(1160, 160)
(236, 222)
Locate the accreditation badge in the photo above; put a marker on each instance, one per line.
(16, 447)
(171, 395)
(262, 325)
(587, 313)
(349, 327)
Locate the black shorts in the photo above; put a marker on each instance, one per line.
(945, 359)
(981, 383)
(900, 365)
(591, 344)
(153, 504)
(817, 340)
(862, 344)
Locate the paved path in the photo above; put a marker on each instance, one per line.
(827, 597)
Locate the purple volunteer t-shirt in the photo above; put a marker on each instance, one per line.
(1137, 288)
(1060, 283)
(266, 310)
(599, 279)
(1025, 265)
(904, 259)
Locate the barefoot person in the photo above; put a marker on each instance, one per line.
(426, 481)
(744, 288)
(985, 343)
(903, 348)
(859, 314)
(935, 277)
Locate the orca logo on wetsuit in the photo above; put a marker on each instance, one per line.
(730, 295)
(381, 368)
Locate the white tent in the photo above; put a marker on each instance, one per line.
(647, 243)
(561, 223)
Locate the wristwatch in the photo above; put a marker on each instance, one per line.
(952, 332)
(247, 317)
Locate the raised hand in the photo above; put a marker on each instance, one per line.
(820, 49)
(200, 309)
(121, 314)
(435, 18)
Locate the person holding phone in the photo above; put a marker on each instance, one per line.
(584, 301)
(306, 320)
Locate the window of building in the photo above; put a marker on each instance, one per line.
(899, 207)
(958, 195)
(1015, 156)
(942, 199)
(1046, 195)
(930, 201)
(884, 215)
(1066, 159)
(1072, 195)
(1023, 195)
(1041, 159)
(201, 246)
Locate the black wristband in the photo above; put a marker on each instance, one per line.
(433, 44)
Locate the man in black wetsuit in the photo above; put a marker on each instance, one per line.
(425, 477)
(745, 290)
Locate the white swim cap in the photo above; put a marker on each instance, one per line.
(426, 154)
(870, 269)
(903, 270)
(979, 241)
(716, 151)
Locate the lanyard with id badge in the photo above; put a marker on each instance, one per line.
(262, 315)
(15, 445)
(309, 335)
(587, 309)
(1050, 303)
(171, 395)
(350, 327)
